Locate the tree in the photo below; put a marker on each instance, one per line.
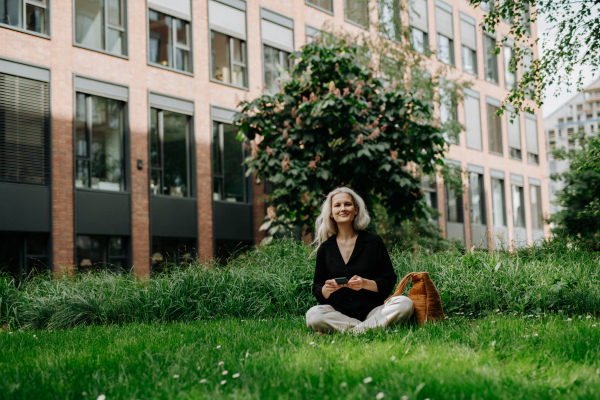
(334, 123)
(577, 43)
(579, 219)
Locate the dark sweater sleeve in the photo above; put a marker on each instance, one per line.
(386, 281)
(320, 277)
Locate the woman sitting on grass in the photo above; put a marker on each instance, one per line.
(361, 260)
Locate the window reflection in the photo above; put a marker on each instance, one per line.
(169, 41)
(275, 62)
(229, 182)
(96, 253)
(228, 59)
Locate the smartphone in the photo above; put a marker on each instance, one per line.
(341, 281)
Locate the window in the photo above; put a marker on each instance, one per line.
(510, 78)
(325, 5)
(96, 253)
(532, 139)
(486, 5)
(526, 17)
(514, 135)
(312, 34)
(230, 249)
(22, 254)
(518, 199)
(275, 61)
(445, 32)
(357, 11)
(494, 129)
(169, 252)
(468, 44)
(477, 194)
(229, 182)
(278, 43)
(490, 58)
(454, 206)
(429, 186)
(526, 68)
(24, 130)
(100, 25)
(390, 25)
(535, 197)
(472, 120)
(228, 59)
(169, 41)
(170, 149)
(498, 202)
(29, 15)
(99, 132)
(417, 17)
(228, 53)
(448, 107)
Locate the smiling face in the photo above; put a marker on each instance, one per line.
(343, 209)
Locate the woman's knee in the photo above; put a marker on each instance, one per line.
(315, 315)
(402, 305)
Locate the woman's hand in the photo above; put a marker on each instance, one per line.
(358, 283)
(330, 287)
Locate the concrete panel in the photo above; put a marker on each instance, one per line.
(480, 236)
(501, 238)
(520, 238)
(456, 230)
(173, 217)
(24, 207)
(538, 236)
(233, 221)
(98, 213)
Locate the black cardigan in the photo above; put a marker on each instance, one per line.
(369, 260)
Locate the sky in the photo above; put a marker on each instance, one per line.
(566, 92)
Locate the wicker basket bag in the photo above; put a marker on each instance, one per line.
(424, 295)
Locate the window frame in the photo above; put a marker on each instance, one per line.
(485, 55)
(232, 62)
(332, 12)
(126, 138)
(280, 55)
(482, 197)
(348, 20)
(107, 26)
(502, 182)
(190, 150)
(22, 29)
(176, 46)
(538, 188)
(128, 268)
(220, 121)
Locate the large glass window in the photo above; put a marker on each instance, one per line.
(445, 32)
(417, 18)
(514, 136)
(171, 252)
(473, 121)
(170, 150)
(454, 206)
(228, 59)
(491, 59)
(169, 42)
(498, 202)
(357, 11)
(448, 108)
(229, 182)
(100, 25)
(510, 78)
(23, 254)
(535, 197)
(518, 199)
(494, 130)
(419, 40)
(390, 25)
(326, 5)
(429, 185)
(99, 133)
(30, 15)
(275, 62)
(445, 50)
(477, 194)
(531, 133)
(24, 130)
(468, 44)
(97, 253)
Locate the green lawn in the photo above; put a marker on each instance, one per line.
(495, 357)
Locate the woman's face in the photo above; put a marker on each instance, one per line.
(342, 208)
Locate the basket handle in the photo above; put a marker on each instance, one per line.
(402, 285)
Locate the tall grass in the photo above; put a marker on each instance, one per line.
(276, 280)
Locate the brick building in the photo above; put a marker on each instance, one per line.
(116, 142)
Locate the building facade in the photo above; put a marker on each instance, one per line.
(117, 147)
(580, 114)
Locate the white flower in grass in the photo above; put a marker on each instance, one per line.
(367, 380)
(380, 396)
(526, 336)
(333, 341)
(221, 363)
(312, 343)
(236, 375)
(493, 322)
(203, 381)
(588, 317)
(198, 368)
(224, 372)
(219, 346)
(535, 334)
(101, 397)
(175, 376)
(569, 319)
(343, 384)
(405, 397)
(223, 382)
(393, 358)
(593, 326)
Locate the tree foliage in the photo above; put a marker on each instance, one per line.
(579, 218)
(335, 123)
(572, 41)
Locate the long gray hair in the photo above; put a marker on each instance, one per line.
(325, 226)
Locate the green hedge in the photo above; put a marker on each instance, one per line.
(276, 280)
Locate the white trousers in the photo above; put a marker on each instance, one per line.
(324, 318)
